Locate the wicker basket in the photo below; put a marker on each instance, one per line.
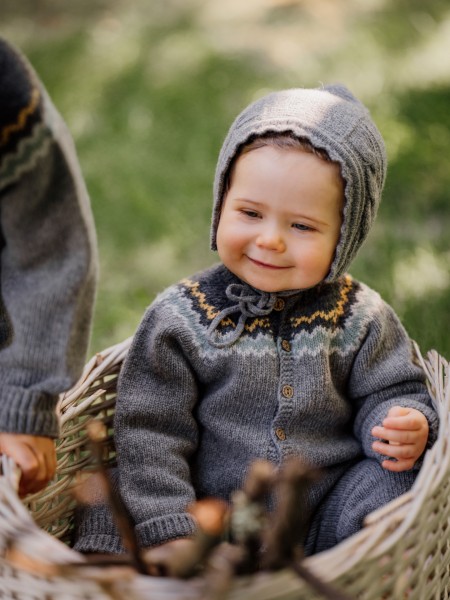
(402, 552)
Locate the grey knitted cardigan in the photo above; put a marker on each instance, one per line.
(48, 262)
(311, 379)
(220, 373)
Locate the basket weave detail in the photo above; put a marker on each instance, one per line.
(402, 552)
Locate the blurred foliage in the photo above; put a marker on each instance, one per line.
(149, 89)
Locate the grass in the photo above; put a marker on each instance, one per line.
(149, 90)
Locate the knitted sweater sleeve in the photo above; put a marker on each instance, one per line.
(156, 432)
(48, 262)
(384, 375)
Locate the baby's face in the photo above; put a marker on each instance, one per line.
(281, 219)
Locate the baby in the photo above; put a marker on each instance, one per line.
(275, 352)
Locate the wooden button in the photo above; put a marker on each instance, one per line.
(287, 391)
(286, 345)
(279, 304)
(280, 433)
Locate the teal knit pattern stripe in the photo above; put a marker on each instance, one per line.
(337, 323)
(27, 153)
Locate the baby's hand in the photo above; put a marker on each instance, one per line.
(36, 457)
(166, 559)
(404, 434)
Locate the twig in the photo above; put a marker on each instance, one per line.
(289, 527)
(287, 530)
(222, 566)
(249, 515)
(260, 479)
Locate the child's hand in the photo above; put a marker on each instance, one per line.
(165, 559)
(36, 457)
(405, 435)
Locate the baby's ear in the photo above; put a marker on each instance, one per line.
(341, 91)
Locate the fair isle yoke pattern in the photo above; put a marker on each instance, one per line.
(25, 137)
(334, 316)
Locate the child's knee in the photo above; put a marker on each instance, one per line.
(366, 487)
(363, 488)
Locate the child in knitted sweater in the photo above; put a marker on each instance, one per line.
(276, 352)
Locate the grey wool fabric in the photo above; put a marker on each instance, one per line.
(311, 378)
(48, 260)
(362, 488)
(332, 119)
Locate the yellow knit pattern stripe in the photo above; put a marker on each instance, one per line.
(331, 315)
(22, 117)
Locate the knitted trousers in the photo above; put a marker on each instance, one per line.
(362, 489)
(365, 487)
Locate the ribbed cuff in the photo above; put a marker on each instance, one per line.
(31, 412)
(165, 528)
(99, 543)
(95, 530)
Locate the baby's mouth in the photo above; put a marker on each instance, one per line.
(265, 265)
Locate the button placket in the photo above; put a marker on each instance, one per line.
(286, 390)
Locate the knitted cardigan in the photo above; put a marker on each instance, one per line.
(310, 378)
(48, 257)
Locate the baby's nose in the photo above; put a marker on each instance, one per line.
(271, 238)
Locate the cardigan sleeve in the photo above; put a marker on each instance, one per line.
(386, 374)
(156, 431)
(48, 257)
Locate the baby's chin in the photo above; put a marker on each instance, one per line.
(270, 285)
(276, 289)
(268, 289)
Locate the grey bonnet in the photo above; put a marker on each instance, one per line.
(331, 118)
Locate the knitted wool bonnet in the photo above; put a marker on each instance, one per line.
(330, 118)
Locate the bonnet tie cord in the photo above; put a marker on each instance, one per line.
(250, 303)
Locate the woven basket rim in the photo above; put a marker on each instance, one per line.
(386, 535)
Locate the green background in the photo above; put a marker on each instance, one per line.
(149, 88)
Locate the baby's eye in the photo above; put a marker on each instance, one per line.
(250, 213)
(302, 227)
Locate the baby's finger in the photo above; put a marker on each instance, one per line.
(33, 481)
(50, 463)
(33, 485)
(409, 421)
(26, 459)
(398, 411)
(402, 451)
(398, 465)
(398, 436)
